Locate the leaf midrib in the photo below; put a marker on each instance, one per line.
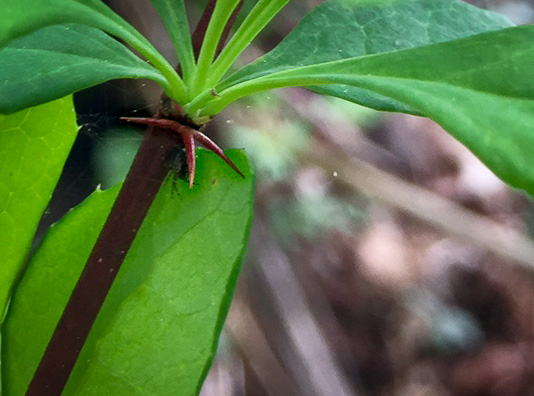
(85, 60)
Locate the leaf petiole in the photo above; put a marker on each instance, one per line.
(260, 16)
(113, 24)
(175, 87)
(221, 15)
(174, 16)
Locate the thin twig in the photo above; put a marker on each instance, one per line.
(425, 205)
(253, 344)
(311, 362)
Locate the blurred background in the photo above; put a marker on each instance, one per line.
(384, 259)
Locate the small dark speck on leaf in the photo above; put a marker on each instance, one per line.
(213, 182)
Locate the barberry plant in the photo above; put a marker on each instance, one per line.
(160, 316)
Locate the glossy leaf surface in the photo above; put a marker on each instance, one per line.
(22, 17)
(58, 60)
(259, 17)
(480, 89)
(340, 29)
(34, 145)
(158, 329)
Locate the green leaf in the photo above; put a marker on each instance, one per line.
(340, 29)
(480, 89)
(174, 17)
(21, 17)
(34, 145)
(221, 14)
(58, 60)
(158, 329)
(260, 16)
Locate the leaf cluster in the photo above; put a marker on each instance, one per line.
(466, 68)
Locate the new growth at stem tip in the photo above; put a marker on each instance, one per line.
(189, 136)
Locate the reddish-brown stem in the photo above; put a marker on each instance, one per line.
(140, 187)
(228, 28)
(142, 183)
(202, 26)
(200, 31)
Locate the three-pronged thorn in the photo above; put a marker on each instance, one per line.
(189, 136)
